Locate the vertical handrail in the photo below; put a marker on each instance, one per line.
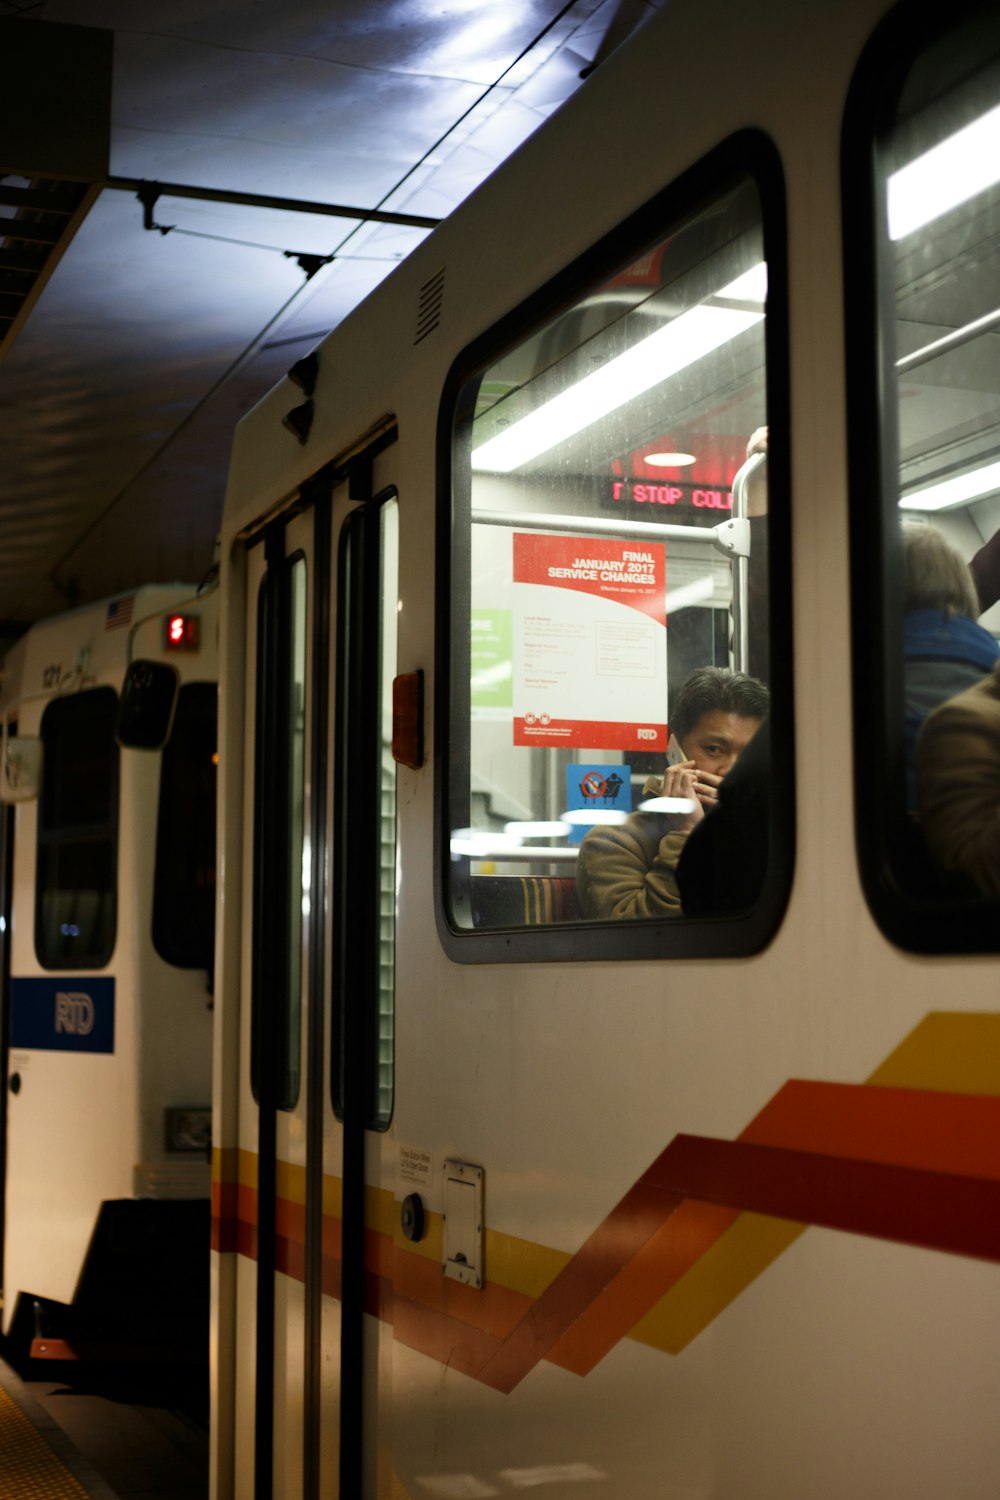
(741, 564)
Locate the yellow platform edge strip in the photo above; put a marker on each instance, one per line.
(28, 1466)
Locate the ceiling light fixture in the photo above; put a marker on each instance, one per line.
(669, 460)
(951, 492)
(950, 173)
(654, 359)
(750, 287)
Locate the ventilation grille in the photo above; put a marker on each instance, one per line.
(429, 306)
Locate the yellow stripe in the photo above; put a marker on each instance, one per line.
(225, 1166)
(28, 1466)
(746, 1249)
(946, 1052)
(955, 1053)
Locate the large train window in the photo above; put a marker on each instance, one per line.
(184, 884)
(76, 896)
(922, 182)
(611, 630)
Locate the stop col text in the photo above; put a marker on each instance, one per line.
(671, 494)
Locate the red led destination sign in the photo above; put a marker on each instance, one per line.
(631, 492)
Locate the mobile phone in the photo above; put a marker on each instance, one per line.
(675, 751)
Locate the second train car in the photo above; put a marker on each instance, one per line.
(108, 920)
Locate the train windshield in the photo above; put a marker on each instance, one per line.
(184, 887)
(76, 904)
(612, 655)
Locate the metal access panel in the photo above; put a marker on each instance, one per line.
(463, 1222)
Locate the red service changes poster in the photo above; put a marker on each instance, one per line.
(590, 642)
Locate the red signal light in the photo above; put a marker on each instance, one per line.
(182, 632)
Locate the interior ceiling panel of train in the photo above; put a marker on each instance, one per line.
(134, 335)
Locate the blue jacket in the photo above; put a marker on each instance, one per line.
(943, 655)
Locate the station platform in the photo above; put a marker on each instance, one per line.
(58, 1440)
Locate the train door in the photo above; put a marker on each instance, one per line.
(6, 894)
(313, 966)
(278, 1000)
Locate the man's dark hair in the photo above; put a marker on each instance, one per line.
(709, 688)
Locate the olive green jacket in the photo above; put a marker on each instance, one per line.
(629, 869)
(958, 783)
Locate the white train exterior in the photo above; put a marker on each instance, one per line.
(681, 1206)
(108, 1023)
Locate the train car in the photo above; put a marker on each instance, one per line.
(108, 946)
(590, 1121)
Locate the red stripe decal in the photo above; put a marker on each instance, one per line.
(910, 1165)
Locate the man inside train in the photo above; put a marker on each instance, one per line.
(629, 870)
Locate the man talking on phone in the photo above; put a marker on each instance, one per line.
(629, 869)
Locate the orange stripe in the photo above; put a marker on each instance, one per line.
(494, 1310)
(935, 1132)
(841, 1154)
(666, 1256)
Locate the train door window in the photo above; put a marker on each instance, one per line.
(368, 604)
(922, 182)
(388, 617)
(76, 906)
(184, 884)
(618, 567)
(279, 801)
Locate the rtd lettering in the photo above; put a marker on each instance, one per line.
(74, 1013)
(646, 734)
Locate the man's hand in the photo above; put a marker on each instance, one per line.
(706, 788)
(682, 780)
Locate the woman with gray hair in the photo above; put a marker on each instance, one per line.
(944, 650)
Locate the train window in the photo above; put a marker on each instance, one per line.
(184, 884)
(926, 512)
(611, 625)
(280, 819)
(368, 595)
(76, 907)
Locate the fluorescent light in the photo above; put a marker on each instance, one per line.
(667, 805)
(669, 460)
(957, 491)
(654, 359)
(953, 171)
(687, 594)
(750, 287)
(536, 830)
(481, 843)
(583, 817)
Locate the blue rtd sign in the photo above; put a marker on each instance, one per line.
(63, 1014)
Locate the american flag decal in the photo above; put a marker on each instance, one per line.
(119, 613)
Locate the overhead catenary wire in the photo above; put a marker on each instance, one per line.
(276, 318)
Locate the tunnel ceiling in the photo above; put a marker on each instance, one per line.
(133, 336)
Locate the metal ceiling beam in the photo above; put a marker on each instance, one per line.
(148, 192)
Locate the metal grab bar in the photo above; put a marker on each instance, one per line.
(727, 536)
(741, 562)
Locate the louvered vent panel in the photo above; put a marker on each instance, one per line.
(429, 306)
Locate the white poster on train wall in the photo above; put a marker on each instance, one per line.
(590, 642)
